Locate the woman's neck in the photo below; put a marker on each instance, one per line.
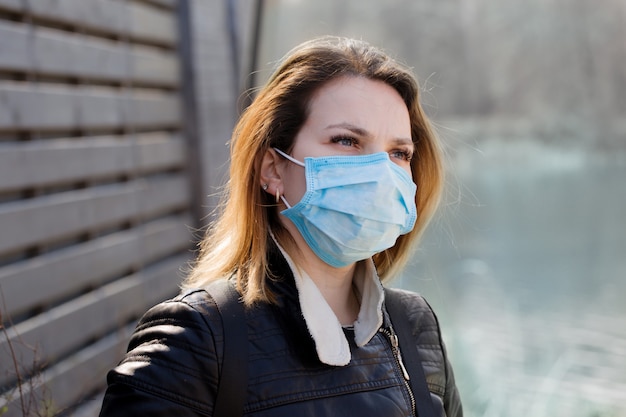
(337, 288)
(335, 284)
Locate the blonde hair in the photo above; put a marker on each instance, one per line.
(239, 240)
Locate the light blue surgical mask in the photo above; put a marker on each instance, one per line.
(353, 207)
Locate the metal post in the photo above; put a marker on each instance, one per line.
(190, 112)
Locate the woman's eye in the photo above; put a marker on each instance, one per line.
(402, 154)
(344, 140)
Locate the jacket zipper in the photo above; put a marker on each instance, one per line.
(395, 349)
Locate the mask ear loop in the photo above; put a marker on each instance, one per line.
(295, 161)
(279, 197)
(288, 157)
(285, 202)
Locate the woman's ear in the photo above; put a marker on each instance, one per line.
(271, 173)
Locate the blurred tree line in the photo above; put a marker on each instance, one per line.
(551, 68)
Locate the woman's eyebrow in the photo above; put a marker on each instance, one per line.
(353, 128)
(359, 131)
(403, 141)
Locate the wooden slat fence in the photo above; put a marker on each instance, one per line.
(95, 193)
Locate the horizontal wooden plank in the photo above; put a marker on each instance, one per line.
(15, 46)
(90, 367)
(53, 334)
(148, 65)
(59, 53)
(11, 5)
(53, 107)
(58, 386)
(165, 3)
(145, 109)
(159, 151)
(137, 21)
(47, 218)
(47, 162)
(68, 54)
(61, 273)
(152, 24)
(90, 406)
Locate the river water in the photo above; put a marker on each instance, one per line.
(526, 268)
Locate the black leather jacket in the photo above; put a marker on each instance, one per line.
(172, 367)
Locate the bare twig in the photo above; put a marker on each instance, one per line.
(13, 355)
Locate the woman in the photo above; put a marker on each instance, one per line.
(322, 204)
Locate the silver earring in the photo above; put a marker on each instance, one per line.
(264, 186)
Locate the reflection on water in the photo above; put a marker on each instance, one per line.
(527, 274)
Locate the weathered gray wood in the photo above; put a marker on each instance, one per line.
(159, 151)
(136, 20)
(55, 333)
(89, 366)
(152, 24)
(46, 218)
(11, 5)
(154, 66)
(109, 66)
(24, 106)
(97, 107)
(46, 162)
(165, 3)
(215, 96)
(14, 46)
(145, 108)
(102, 15)
(59, 274)
(54, 52)
(62, 53)
(91, 406)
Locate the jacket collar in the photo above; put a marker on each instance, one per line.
(331, 344)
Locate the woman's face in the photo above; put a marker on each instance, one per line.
(350, 116)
